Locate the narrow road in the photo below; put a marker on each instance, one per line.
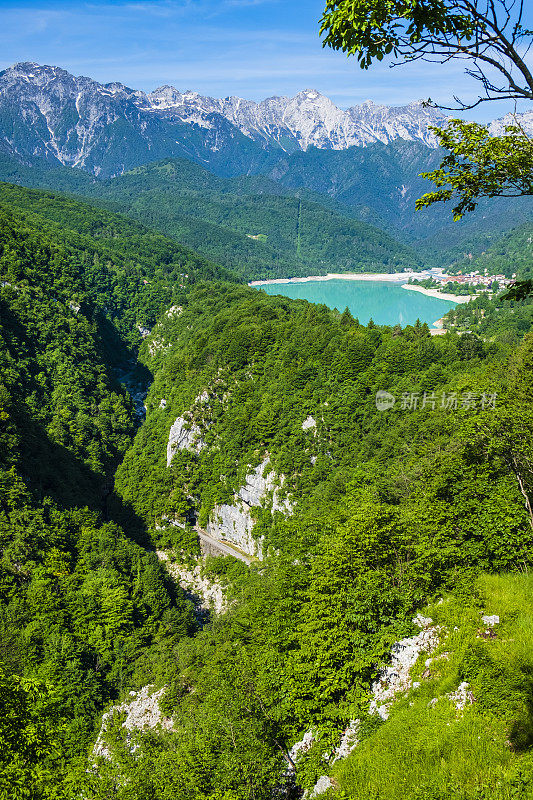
(225, 548)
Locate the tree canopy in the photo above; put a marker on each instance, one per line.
(490, 37)
(480, 165)
(488, 34)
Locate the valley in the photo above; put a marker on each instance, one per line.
(262, 533)
(214, 173)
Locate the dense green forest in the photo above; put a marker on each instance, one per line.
(509, 255)
(318, 211)
(84, 608)
(217, 217)
(493, 318)
(379, 184)
(389, 512)
(127, 272)
(299, 231)
(373, 514)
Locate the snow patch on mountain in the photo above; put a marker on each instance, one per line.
(524, 121)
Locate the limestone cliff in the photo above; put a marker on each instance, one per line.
(207, 593)
(141, 713)
(235, 523)
(183, 435)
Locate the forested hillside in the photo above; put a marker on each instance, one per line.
(129, 273)
(368, 514)
(389, 509)
(380, 184)
(512, 254)
(84, 609)
(296, 233)
(361, 201)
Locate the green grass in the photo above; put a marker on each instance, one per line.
(432, 751)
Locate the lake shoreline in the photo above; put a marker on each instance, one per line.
(367, 295)
(453, 298)
(394, 277)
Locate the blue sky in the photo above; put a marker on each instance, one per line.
(250, 48)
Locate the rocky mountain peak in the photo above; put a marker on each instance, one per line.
(107, 128)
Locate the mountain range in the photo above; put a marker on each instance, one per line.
(68, 133)
(107, 128)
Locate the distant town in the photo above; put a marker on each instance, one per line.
(442, 278)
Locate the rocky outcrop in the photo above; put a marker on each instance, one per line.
(462, 696)
(321, 786)
(393, 680)
(142, 712)
(396, 678)
(174, 311)
(349, 741)
(235, 523)
(309, 119)
(209, 592)
(231, 523)
(183, 435)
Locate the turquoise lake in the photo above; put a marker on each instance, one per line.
(387, 303)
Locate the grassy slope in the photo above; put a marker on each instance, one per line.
(430, 749)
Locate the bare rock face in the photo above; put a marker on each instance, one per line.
(321, 786)
(525, 121)
(349, 741)
(235, 523)
(191, 579)
(309, 119)
(74, 121)
(256, 486)
(107, 129)
(142, 712)
(396, 678)
(183, 435)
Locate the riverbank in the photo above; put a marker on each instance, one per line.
(454, 298)
(395, 277)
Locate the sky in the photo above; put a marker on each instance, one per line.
(250, 48)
